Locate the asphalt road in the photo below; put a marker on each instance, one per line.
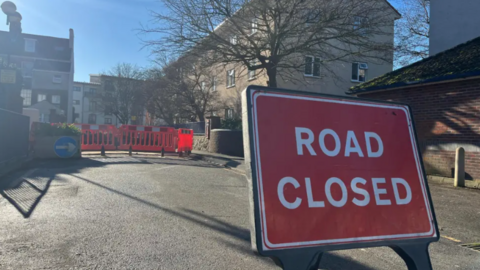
(171, 213)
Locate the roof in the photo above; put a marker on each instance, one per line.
(45, 47)
(460, 62)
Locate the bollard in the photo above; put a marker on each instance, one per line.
(130, 151)
(180, 153)
(163, 152)
(460, 168)
(102, 152)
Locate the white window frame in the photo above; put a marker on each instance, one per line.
(234, 40)
(26, 94)
(24, 63)
(41, 95)
(54, 97)
(312, 67)
(229, 113)
(358, 71)
(108, 122)
(203, 86)
(230, 78)
(254, 26)
(358, 22)
(252, 73)
(30, 45)
(57, 78)
(214, 84)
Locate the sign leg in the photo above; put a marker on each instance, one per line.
(415, 256)
(299, 261)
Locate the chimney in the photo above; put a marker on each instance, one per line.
(14, 19)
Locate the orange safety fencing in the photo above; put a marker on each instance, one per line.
(138, 138)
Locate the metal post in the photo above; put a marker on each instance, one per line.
(102, 152)
(130, 151)
(163, 152)
(460, 167)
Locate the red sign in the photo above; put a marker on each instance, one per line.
(332, 171)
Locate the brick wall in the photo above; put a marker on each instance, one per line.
(446, 116)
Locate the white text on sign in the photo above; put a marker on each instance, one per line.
(360, 197)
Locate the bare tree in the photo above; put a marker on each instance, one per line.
(412, 37)
(274, 35)
(123, 94)
(182, 90)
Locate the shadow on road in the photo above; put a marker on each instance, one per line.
(25, 190)
(329, 261)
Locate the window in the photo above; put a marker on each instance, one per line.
(27, 97)
(41, 97)
(92, 118)
(108, 121)
(251, 73)
(92, 106)
(359, 72)
(312, 66)
(360, 24)
(233, 40)
(59, 48)
(203, 86)
(92, 90)
(76, 102)
(27, 68)
(231, 78)
(214, 84)
(57, 78)
(55, 99)
(77, 88)
(228, 113)
(30, 45)
(254, 26)
(44, 118)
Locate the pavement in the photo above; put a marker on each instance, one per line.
(149, 212)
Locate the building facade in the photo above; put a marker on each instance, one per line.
(47, 65)
(453, 23)
(334, 77)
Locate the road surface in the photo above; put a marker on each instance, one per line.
(172, 213)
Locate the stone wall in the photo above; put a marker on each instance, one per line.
(200, 142)
(226, 141)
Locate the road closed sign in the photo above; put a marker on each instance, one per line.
(333, 172)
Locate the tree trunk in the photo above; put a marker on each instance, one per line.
(272, 76)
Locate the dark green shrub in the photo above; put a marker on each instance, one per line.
(57, 130)
(235, 124)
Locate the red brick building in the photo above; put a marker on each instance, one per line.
(444, 94)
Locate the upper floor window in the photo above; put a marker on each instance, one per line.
(359, 72)
(41, 97)
(251, 72)
(360, 24)
(92, 106)
(30, 45)
(26, 94)
(231, 78)
(108, 121)
(76, 102)
(93, 90)
(56, 99)
(312, 66)
(233, 40)
(77, 88)
(92, 118)
(214, 84)
(57, 78)
(228, 113)
(254, 26)
(27, 68)
(203, 86)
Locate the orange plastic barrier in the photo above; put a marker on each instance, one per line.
(96, 136)
(185, 140)
(144, 138)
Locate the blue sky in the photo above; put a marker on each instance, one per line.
(105, 30)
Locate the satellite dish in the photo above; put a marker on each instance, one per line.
(8, 7)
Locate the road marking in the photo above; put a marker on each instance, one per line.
(451, 239)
